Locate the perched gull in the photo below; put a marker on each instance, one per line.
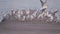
(2, 19)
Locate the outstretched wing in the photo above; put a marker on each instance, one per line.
(42, 3)
(56, 11)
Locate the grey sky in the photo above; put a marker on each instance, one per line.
(6, 5)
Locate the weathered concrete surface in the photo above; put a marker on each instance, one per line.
(18, 28)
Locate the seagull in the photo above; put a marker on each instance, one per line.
(2, 19)
(43, 4)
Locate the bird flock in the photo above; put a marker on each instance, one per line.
(35, 14)
(31, 14)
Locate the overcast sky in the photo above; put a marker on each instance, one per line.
(6, 5)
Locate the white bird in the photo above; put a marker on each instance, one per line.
(50, 17)
(43, 4)
(2, 18)
(27, 12)
(35, 14)
(42, 14)
(44, 7)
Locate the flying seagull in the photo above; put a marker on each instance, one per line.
(43, 4)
